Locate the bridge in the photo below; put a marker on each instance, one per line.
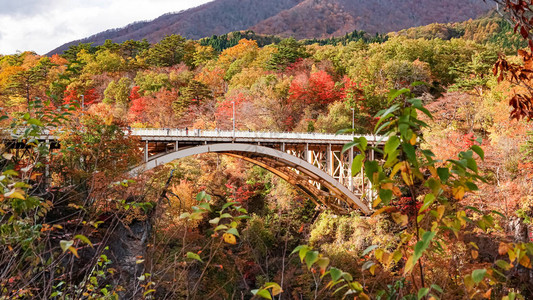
(313, 162)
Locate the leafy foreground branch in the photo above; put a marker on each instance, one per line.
(423, 196)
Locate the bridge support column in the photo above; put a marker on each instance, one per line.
(330, 164)
(176, 146)
(350, 175)
(146, 151)
(47, 166)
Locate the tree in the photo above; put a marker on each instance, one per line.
(168, 52)
(318, 90)
(118, 91)
(288, 51)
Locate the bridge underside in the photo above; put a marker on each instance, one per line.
(315, 182)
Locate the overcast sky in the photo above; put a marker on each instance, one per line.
(42, 25)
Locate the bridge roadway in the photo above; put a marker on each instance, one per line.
(314, 162)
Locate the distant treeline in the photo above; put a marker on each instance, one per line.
(222, 42)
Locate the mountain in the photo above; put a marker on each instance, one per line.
(213, 18)
(298, 18)
(337, 17)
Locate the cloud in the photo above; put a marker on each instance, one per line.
(42, 25)
(24, 7)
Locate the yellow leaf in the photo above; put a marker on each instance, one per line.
(19, 194)
(525, 261)
(74, 251)
(397, 255)
(400, 219)
(376, 202)
(395, 169)
(407, 178)
(412, 141)
(440, 211)
(372, 269)
(363, 296)
(512, 255)
(475, 254)
(229, 238)
(409, 265)
(433, 171)
(458, 192)
(379, 254)
(469, 282)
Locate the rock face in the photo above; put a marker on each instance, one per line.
(298, 18)
(127, 244)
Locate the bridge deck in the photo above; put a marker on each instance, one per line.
(196, 135)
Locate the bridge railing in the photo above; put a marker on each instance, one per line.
(158, 132)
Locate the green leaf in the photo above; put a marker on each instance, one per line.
(385, 114)
(214, 221)
(350, 145)
(233, 231)
(410, 152)
(226, 215)
(35, 122)
(200, 196)
(422, 293)
(83, 239)
(357, 164)
(221, 227)
(194, 256)
(503, 264)
(420, 247)
(478, 151)
(444, 174)
(335, 273)
(478, 275)
(369, 249)
(385, 195)
(310, 258)
(65, 244)
(363, 143)
(392, 144)
(436, 288)
(228, 205)
(262, 293)
(371, 167)
(393, 94)
(428, 200)
(323, 262)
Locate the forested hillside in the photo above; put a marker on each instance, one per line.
(452, 183)
(292, 18)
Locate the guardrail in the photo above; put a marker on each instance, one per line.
(161, 132)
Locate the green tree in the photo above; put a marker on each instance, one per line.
(118, 91)
(168, 52)
(289, 50)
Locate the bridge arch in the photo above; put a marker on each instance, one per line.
(280, 163)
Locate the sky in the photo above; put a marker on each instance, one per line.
(43, 25)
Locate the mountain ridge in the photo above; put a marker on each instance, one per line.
(291, 18)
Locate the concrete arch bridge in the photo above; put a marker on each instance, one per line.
(312, 162)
